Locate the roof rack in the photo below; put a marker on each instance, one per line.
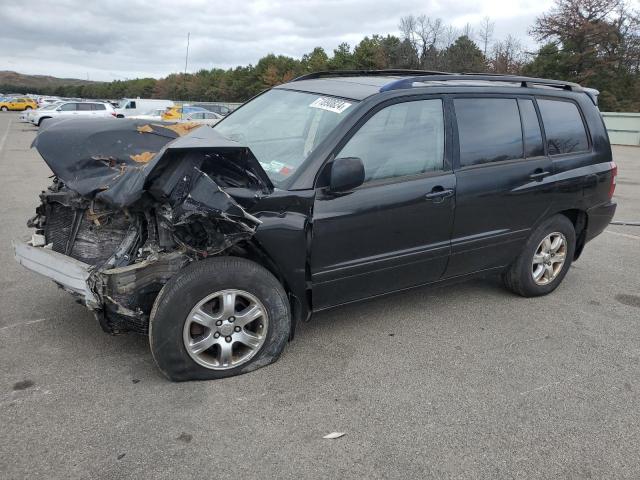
(366, 73)
(438, 77)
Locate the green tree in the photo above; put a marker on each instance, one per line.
(315, 61)
(464, 56)
(342, 58)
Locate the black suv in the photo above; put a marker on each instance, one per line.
(333, 188)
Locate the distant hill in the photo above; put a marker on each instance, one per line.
(34, 83)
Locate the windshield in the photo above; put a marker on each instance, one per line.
(282, 127)
(123, 103)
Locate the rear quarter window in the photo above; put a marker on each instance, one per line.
(563, 126)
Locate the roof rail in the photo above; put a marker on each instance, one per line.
(523, 81)
(366, 73)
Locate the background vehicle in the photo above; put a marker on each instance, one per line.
(18, 104)
(44, 101)
(206, 118)
(74, 109)
(330, 189)
(28, 115)
(139, 106)
(155, 114)
(221, 110)
(177, 112)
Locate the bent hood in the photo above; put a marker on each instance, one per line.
(117, 160)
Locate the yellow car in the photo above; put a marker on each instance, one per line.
(172, 113)
(18, 104)
(181, 111)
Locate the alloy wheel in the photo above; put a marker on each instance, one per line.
(225, 329)
(549, 258)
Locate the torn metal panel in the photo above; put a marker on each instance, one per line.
(111, 160)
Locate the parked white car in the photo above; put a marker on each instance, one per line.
(155, 115)
(129, 107)
(74, 109)
(44, 101)
(28, 115)
(206, 118)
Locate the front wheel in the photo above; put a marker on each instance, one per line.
(218, 318)
(4, 109)
(545, 259)
(27, 108)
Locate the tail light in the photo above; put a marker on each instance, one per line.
(614, 174)
(114, 114)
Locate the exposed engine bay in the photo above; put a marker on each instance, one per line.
(136, 202)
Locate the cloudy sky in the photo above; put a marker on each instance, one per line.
(118, 39)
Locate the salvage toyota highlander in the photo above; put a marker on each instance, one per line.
(333, 188)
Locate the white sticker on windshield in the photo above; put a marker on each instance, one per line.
(331, 104)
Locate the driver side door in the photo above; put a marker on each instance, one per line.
(392, 232)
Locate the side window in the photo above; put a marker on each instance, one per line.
(84, 107)
(563, 126)
(488, 129)
(401, 139)
(131, 104)
(68, 107)
(98, 106)
(196, 116)
(533, 146)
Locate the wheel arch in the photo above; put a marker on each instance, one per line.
(252, 250)
(579, 218)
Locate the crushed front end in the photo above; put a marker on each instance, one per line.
(130, 205)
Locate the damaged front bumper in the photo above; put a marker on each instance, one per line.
(69, 273)
(114, 295)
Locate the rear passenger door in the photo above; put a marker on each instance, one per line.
(85, 109)
(501, 174)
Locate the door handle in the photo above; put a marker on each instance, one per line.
(539, 174)
(438, 194)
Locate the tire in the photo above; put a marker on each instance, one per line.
(4, 109)
(171, 319)
(27, 108)
(519, 277)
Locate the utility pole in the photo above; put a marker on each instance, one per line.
(186, 62)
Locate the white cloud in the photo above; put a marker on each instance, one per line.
(134, 38)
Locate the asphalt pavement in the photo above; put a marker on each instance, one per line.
(466, 381)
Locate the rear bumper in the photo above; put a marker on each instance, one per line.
(599, 218)
(69, 273)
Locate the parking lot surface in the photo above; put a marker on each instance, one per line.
(466, 381)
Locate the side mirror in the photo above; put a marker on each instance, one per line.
(58, 109)
(346, 174)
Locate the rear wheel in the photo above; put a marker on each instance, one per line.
(27, 108)
(545, 259)
(218, 318)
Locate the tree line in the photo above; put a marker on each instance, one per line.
(593, 42)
